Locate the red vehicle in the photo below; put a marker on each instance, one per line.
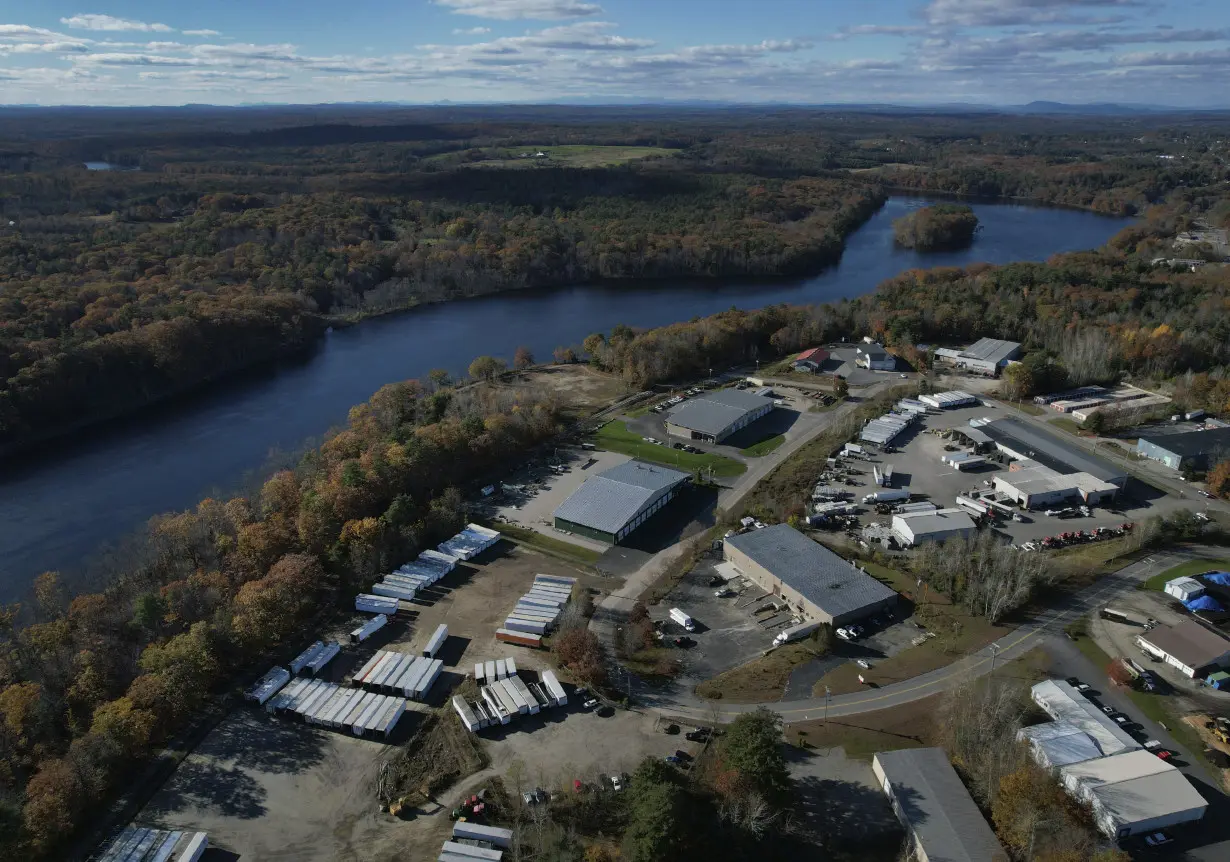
(576, 785)
(1163, 754)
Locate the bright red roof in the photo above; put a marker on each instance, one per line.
(816, 354)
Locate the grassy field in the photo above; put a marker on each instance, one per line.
(567, 155)
(615, 437)
(762, 679)
(1188, 569)
(1025, 406)
(558, 547)
(957, 633)
(1066, 424)
(764, 447)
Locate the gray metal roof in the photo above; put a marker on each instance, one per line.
(1049, 450)
(991, 349)
(940, 812)
(714, 412)
(609, 500)
(873, 351)
(922, 524)
(1191, 444)
(820, 576)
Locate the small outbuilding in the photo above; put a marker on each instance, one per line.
(1185, 589)
(914, 528)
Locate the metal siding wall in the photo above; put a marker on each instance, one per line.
(582, 530)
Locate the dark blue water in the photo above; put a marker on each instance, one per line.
(56, 508)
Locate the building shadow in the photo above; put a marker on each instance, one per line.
(691, 513)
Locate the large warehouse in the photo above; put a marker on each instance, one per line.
(1188, 646)
(985, 356)
(933, 805)
(613, 503)
(1133, 793)
(1024, 442)
(817, 583)
(1195, 449)
(914, 528)
(1079, 732)
(714, 416)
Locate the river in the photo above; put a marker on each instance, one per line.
(60, 505)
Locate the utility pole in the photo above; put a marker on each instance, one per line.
(827, 694)
(994, 655)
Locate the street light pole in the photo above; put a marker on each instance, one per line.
(827, 694)
(994, 655)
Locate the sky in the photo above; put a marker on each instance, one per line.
(997, 52)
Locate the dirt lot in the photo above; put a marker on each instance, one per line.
(268, 789)
(582, 387)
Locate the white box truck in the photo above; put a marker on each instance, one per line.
(795, 633)
(683, 619)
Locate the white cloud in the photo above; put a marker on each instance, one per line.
(472, 31)
(1009, 13)
(202, 33)
(510, 10)
(109, 23)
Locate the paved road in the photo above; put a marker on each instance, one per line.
(1045, 629)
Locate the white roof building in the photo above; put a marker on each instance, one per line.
(1075, 713)
(912, 528)
(1133, 793)
(1185, 589)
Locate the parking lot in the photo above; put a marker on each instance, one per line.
(917, 465)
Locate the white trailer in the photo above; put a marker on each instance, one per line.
(382, 661)
(544, 702)
(510, 665)
(478, 832)
(268, 685)
(360, 724)
(479, 672)
(394, 591)
(379, 678)
(322, 658)
(524, 692)
(339, 707)
(890, 495)
(410, 679)
(520, 624)
(465, 714)
(285, 696)
(437, 641)
(507, 701)
(470, 852)
(358, 675)
(428, 679)
(795, 633)
(554, 579)
(447, 560)
(498, 712)
(523, 706)
(369, 628)
(482, 713)
(552, 687)
(501, 668)
(195, 848)
(489, 670)
(300, 661)
(357, 710)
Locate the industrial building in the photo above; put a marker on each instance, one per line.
(714, 416)
(874, 357)
(1133, 793)
(1080, 731)
(938, 814)
(817, 583)
(1024, 442)
(914, 528)
(1034, 486)
(1187, 646)
(985, 356)
(611, 504)
(1196, 450)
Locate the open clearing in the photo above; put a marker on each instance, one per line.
(270, 789)
(571, 156)
(616, 437)
(582, 388)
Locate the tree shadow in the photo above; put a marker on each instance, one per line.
(263, 743)
(842, 813)
(229, 791)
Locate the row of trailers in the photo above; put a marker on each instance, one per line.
(475, 842)
(143, 844)
(537, 611)
(501, 699)
(433, 565)
(326, 704)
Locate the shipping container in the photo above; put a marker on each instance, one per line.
(522, 703)
(490, 670)
(359, 725)
(410, 680)
(358, 676)
(519, 624)
(394, 591)
(553, 687)
(478, 832)
(378, 668)
(369, 628)
(544, 702)
(479, 672)
(268, 685)
(300, 661)
(370, 604)
(554, 579)
(437, 641)
(465, 714)
(507, 701)
(494, 705)
(501, 668)
(195, 848)
(323, 657)
(423, 687)
(470, 852)
(525, 639)
(358, 709)
(524, 692)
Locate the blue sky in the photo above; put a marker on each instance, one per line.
(141, 52)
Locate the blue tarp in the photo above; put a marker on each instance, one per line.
(1204, 603)
(1222, 578)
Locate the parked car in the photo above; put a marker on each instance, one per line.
(723, 593)
(683, 642)
(1157, 839)
(677, 446)
(591, 703)
(1109, 710)
(1083, 687)
(617, 783)
(698, 735)
(671, 758)
(863, 663)
(535, 796)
